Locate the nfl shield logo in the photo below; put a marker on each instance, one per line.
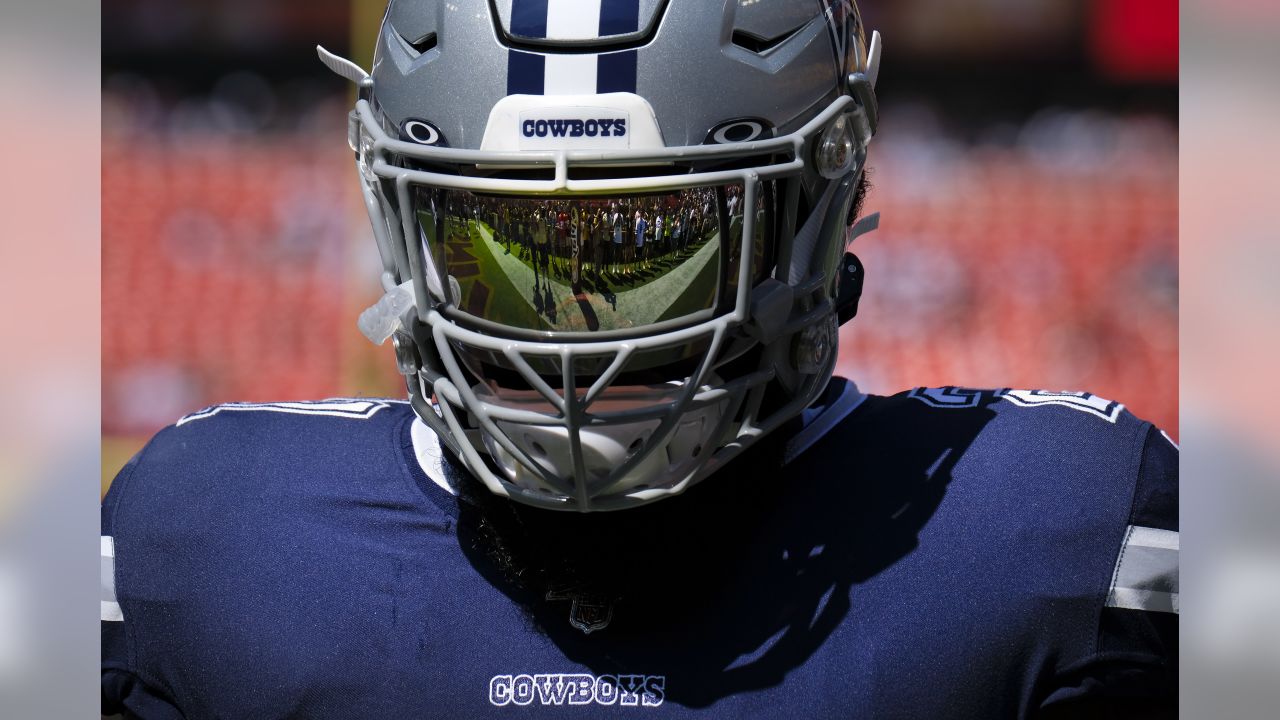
(588, 611)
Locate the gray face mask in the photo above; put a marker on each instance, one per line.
(595, 279)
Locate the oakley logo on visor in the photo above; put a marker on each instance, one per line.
(574, 127)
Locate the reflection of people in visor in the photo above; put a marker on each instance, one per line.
(580, 231)
(619, 226)
(573, 267)
(641, 228)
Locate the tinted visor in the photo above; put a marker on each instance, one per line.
(586, 264)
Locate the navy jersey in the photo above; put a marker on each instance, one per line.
(938, 553)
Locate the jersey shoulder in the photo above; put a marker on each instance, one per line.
(1074, 469)
(1065, 503)
(224, 454)
(1076, 435)
(1010, 422)
(258, 519)
(249, 432)
(1077, 440)
(1073, 473)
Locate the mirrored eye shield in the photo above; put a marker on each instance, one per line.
(382, 157)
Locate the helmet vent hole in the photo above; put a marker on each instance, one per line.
(635, 446)
(697, 450)
(761, 45)
(420, 46)
(538, 449)
(425, 44)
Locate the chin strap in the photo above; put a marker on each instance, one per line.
(849, 285)
(868, 224)
(824, 415)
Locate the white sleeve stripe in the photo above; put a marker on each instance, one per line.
(1146, 571)
(110, 608)
(1149, 600)
(111, 612)
(1152, 538)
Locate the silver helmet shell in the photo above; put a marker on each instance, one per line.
(773, 100)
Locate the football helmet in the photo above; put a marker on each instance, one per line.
(612, 232)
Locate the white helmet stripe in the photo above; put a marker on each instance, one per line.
(569, 74)
(573, 19)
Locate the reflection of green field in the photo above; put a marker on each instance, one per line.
(491, 284)
(686, 288)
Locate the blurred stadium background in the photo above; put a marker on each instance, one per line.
(1027, 171)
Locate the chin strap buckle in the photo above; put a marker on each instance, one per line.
(849, 288)
(852, 272)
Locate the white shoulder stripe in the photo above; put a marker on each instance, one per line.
(1082, 401)
(1146, 572)
(355, 409)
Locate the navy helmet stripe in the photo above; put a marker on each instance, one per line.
(618, 17)
(529, 18)
(526, 73)
(616, 72)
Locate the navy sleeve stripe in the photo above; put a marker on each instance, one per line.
(1155, 499)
